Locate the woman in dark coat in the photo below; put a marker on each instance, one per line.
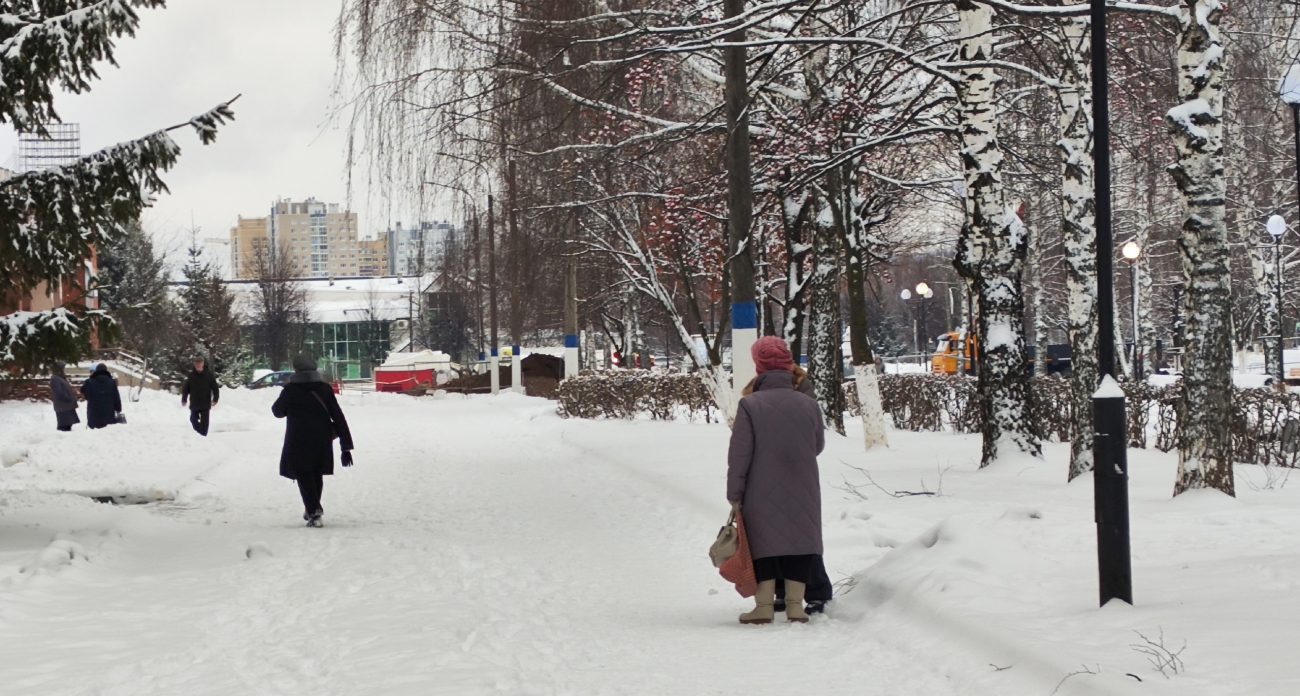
(772, 477)
(314, 419)
(103, 402)
(65, 400)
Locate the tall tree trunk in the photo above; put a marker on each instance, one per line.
(1079, 222)
(1204, 446)
(794, 216)
(991, 250)
(825, 362)
(864, 358)
(1039, 275)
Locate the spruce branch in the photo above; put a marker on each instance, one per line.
(51, 220)
(41, 49)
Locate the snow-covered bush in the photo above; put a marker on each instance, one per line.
(627, 394)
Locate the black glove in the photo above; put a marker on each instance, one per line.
(347, 458)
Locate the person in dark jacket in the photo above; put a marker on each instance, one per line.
(103, 402)
(64, 398)
(203, 392)
(314, 420)
(772, 478)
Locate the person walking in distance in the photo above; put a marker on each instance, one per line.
(314, 421)
(103, 401)
(202, 392)
(772, 479)
(64, 398)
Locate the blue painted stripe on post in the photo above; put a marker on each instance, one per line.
(570, 340)
(515, 350)
(482, 356)
(744, 315)
(496, 353)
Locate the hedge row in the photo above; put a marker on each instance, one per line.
(627, 393)
(1264, 425)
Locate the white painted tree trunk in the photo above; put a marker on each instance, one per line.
(1204, 444)
(873, 411)
(991, 250)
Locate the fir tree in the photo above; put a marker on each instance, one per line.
(209, 324)
(132, 287)
(52, 220)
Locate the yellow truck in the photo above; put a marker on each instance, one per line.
(953, 353)
(955, 350)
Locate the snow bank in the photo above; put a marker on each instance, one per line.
(487, 543)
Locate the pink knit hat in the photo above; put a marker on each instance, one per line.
(771, 353)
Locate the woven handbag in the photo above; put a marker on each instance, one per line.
(739, 569)
(725, 545)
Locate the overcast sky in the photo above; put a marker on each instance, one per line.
(192, 56)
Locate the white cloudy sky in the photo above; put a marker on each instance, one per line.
(197, 53)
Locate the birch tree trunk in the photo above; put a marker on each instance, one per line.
(794, 215)
(1146, 316)
(856, 219)
(1039, 302)
(1204, 446)
(991, 250)
(1079, 220)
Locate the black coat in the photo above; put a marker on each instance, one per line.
(201, 389)
(103, 402)
(308, 442)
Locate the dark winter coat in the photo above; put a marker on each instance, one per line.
(103, 402)
(310, 406)
(772, 468)
(201, 389)
(61, 393)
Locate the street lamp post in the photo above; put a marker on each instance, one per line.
(1276, 228)
(916, 333)
(1133, 251)
(923, 293)
(1289, 91)
(1110, 441)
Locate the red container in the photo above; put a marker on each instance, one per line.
(399, 379)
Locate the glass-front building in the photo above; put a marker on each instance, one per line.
(346, 350)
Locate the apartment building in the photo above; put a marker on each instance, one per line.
(319, 240)
(407, 247)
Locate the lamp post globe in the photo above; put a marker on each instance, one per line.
(1132, 251)
(923, 289)
(905, 294)
(1276, 226)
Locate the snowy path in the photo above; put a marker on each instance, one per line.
(486, 548)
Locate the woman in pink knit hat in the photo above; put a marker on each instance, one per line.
(772, 479)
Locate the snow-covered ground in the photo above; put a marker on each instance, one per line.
(484, 545)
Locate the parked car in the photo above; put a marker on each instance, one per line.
(275, 379)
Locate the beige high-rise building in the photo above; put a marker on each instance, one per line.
(318, 239)
(248, 242)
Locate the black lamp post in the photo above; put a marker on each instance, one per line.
(1133, 251)
(1289, 91)
(1110, 441)
(919, 339)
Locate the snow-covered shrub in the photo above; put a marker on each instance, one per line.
(1265, 427)
(627, 394)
